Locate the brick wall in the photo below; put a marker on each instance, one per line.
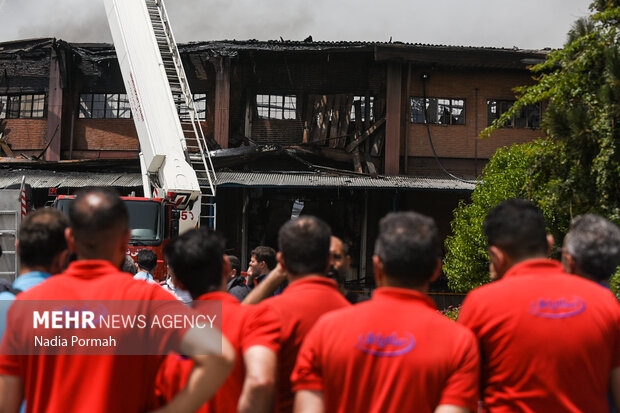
(105, 134)
(281, 132)
(26, 134)
(476, 87)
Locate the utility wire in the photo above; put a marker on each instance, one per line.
(430, 139)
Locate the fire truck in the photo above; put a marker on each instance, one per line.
(152, 223)
(178, 177)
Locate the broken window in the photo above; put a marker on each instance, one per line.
(22, 106)
(440, 111)
(104, 105)
(98, 106)
(200, 103)
(276, 106)
(38, 106)
(124, 110)
(528, 117)
(362, 99)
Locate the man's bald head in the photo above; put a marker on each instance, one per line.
(99, 222)
(304, 244)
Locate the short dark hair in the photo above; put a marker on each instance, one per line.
(92, 223)
(196, 260)
(517, 226)
(304, 244)
(235, 264)
(129, 265)
(408, 246)
(146, 259)
(267, 254)
(42, 237)
(594, 243)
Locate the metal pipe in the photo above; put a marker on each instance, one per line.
(363, 239)
(407, 117)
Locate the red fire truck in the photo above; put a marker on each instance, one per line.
(152, 222)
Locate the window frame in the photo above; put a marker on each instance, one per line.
(200, 104)
(363, 108)
(23, 106)
(450, 105)
(276, 106)
(521, 120)
(104, 106)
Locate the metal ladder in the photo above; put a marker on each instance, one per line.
(193, 140)
(9, 262)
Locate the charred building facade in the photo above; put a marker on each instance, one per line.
(347, 131)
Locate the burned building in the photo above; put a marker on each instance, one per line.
(347, 131)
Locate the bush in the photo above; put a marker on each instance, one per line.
(509, 174)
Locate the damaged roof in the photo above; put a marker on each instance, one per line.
(37, 178)
(510, 58)
(334, 180)
(53, 179)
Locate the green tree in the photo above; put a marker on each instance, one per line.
(576, 169)
(509, 174)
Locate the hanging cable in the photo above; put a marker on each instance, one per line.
(430, 139)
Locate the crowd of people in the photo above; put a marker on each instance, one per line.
(544, 336)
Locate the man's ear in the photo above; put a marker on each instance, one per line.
(177, 283)
(569, 264)
(70, 238)
(280, 259)
(437, 271)
(550, 242)
(225, 268)
(498, 262)
(59, 262)
(379, 271)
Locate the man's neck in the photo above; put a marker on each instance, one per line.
(25, 269)
(293, 278)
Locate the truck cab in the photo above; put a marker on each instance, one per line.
(152, 223)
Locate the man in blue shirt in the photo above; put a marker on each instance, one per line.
(42, 251)
(146, 260)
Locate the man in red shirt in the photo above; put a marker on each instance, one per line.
(395, 352)
(549, 341)
(199, 265)
(100, 381)
(304, 259)
(592, 248)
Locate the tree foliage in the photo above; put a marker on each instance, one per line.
(576, 169)
(509, 174)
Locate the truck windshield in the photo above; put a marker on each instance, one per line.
(144, 219)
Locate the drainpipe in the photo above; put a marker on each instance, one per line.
(476, 136)
(407, 116)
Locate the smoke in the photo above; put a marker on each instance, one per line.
(521, 23)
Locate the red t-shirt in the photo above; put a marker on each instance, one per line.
(245, 327)
(393, 353)
(548, 340)
(298, 308)
(95, 383)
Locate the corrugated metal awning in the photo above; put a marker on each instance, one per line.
(53, 179)
(37, 178)
(314, 180)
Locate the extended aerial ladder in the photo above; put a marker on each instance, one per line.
(174, 155)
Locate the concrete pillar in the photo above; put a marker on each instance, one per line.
(393, 118)
(54, 111)
(222, 101)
